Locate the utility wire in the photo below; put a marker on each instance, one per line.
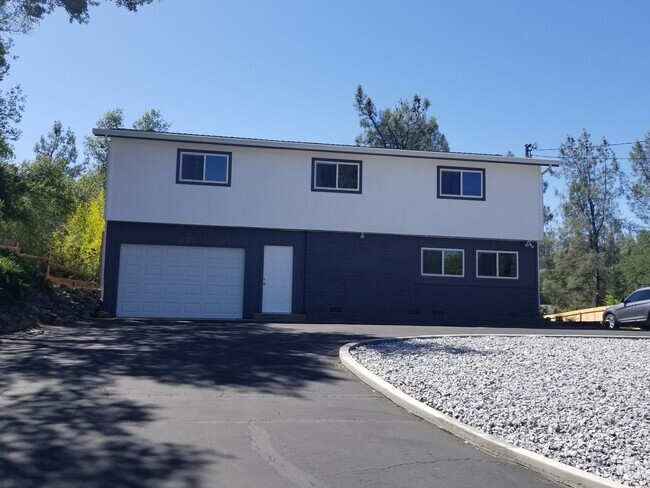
(614, 144)
(560, 157)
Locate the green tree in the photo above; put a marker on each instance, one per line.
(152, 121)
(27, 12)
(639, 194)
(49, 182)
(407, 126)
(12, 103)
(633, 268)
(96, 148)
(78, 243)
(12, 199)
(59, 144)
(591, 226)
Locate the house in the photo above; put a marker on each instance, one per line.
(233, 228)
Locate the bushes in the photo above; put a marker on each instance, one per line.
(16, 276)
(77, 244)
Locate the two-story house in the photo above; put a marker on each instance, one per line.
(232, 228)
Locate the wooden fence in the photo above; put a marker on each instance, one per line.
(50, 264)
(594, 314)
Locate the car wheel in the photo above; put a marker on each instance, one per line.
(610, 321)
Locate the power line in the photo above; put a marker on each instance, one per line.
(560, 157)
(614, 144)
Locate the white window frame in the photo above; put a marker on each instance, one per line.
(205, 154)
(497, 277)
(422, 273)
(337, 163)
(461, 171)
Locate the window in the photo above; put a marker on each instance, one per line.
(336, 175)
(206, 168)
(461, 183)
(443, 262)
(638, 296)
(497, 264)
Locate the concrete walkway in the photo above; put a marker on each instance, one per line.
(160, 404)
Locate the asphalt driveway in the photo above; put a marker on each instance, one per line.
(160, 404)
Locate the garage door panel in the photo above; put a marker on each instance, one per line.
(151, 289)
(174, 252)
(130, 288)
(192, 290)
(131, 270)
(194, 271)
(172, 308)
(174, 271)
(153, 251)
(151, 307)
(132, 251)
(180, 282)
(173, 290)
(152, 270)
(129, 307)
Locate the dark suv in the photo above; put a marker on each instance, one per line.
(635, 309)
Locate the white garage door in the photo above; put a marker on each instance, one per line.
(180, 282)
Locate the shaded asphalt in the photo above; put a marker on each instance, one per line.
(143, 403)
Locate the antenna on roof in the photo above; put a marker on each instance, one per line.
(529, 149)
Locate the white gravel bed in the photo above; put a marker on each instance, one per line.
(582, 401)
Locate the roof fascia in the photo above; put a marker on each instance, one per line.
(317, 147)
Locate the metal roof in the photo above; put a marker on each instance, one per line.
(317, 147)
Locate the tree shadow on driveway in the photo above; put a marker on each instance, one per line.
(61, 424)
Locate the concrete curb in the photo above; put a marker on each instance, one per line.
(551, 469)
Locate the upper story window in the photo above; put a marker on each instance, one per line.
(497, 264)
(336, 175)
(465, 183)
(443, 262)
(204, 167)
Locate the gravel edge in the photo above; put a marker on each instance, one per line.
(550, 468)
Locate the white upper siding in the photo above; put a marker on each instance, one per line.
(271, 188)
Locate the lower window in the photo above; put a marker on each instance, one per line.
(443, 262)
(497, 264)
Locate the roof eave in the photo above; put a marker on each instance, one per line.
(316, 147)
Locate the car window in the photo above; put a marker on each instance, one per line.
(634, 297)
(638, 296)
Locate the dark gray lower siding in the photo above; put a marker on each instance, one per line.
(339, 277)
(377, 280)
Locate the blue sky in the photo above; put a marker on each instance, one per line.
(499, 74)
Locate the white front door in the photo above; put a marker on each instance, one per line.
(278, 279)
